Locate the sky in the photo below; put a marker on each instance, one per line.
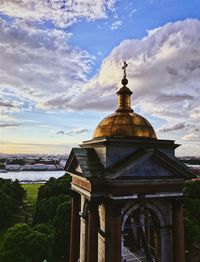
(60, 67)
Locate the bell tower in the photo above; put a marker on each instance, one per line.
(127, 191)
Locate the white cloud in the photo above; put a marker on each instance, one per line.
(132, 12)
(62, 13)
(37, 64)
(163, 73)
(7, 118)
(116, 24)
(8, 121)
(195, 113)
(191, 137)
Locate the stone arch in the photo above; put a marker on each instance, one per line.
(133, 206)
(165, 229)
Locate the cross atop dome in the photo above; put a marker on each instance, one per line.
(124, 122)
(124, 68)
(124, 80)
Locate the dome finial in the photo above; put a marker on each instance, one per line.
(124, 68)
(124, 80)
(124, 122)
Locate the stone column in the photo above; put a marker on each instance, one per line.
(166, 243)
(83, 229)
(92, 233)
(75, 228)
(178, 232)
(115, 239)
(83, 237)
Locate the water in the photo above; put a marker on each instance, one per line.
(32, 175)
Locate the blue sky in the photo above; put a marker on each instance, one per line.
(60, 67)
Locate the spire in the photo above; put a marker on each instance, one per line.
(124, 94)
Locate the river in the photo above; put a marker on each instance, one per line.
(32, 175)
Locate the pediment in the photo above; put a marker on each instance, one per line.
(141, 164)
(148, 164)
(147, 168)
(84, 162)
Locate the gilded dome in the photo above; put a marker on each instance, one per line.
(124, 122)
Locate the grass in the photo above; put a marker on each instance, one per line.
(30, 202)
(32, 191)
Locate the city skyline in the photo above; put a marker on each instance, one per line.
(61, 65)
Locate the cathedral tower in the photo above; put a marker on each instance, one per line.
(127, 191)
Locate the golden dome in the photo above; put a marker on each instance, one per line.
(124, 122)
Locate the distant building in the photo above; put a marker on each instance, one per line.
(127, 192)
(39, 167)
(12, 167)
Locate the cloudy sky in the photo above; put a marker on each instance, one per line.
(60, 67)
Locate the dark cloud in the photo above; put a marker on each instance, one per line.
(9, 125)
(72, 132)
(173, 128)
(173, 98)
(60, 132)
(6, 104)
(81, 131)
(77, 131)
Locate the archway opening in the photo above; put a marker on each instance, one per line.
(141, 236)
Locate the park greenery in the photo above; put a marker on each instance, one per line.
(192, 219)
(35, 220)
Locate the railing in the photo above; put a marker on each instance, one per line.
(129, 256)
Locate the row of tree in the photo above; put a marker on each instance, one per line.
(11, 200)
(47, 237)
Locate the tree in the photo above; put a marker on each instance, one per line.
(192, 189)
(46, 209)
(54, 187)
(62, 228)
(6, 210)
(2, 165)
(13, 189)
(11, 198)
(22, 243)
(192, 218)
(54, 207)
